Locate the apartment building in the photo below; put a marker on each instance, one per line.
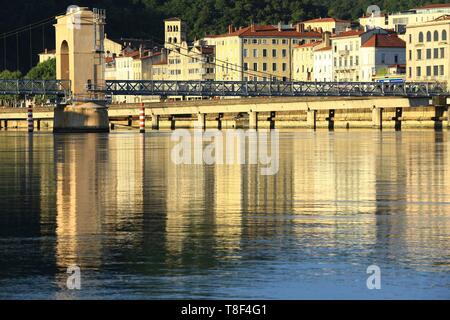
(332, 25)
(428, 50)
(323, 64)
(346, 53)
(382, 56)
(258, 53)
(398, 21)
(194, 62)
(303, 58)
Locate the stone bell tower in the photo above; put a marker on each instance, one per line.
(80, 37)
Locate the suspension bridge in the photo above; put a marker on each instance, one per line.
(80, 73)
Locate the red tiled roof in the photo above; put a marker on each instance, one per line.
(435, 6)
(323, 20)
(268, 31)
(349, 33)
(384, 41)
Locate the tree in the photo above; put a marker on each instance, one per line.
(10, 100)
(43, 71)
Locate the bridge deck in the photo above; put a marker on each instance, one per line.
(273, 89)
(61, 88)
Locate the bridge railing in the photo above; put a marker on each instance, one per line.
(35, 87)
(266, 88)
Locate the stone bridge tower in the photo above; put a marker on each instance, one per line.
(80, 37)
(79, 48)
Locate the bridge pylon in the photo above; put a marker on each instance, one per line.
(80, 58)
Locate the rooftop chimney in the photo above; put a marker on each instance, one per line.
(280, 28)
(252, 27)
(326, 38)
(230, 28)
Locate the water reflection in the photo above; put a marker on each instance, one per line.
(118, 207)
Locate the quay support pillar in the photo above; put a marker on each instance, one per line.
(398, 119)
(172, 122)
(201, 121)
(272, 120)
(155, 122)
(84, 118)
(253, 120)
(219, 121)
(377, 118)
(330, 119)
(448, 117)
(440, 105)
(311, 119)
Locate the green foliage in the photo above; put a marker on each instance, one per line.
(43, 71)
(9, 100)
(10, 75)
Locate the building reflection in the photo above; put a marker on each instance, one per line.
(121, 199)
(77, 200)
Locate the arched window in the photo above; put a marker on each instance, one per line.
(170, 39)
(420, 37)
(428, 36)
(436, 36)
(444, 35)
(175, 40)
(176, 28)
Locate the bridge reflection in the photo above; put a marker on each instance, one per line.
(116, 203)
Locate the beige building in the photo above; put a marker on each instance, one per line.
(428, 50)
(399, 21)
(327, 25)
(258, 53)
(195, 62)
(183, 61)
(382, 57)
(346, 50)
(47, 55)
(133, 65)
(111, 48)
(303, 61)
(323, 64)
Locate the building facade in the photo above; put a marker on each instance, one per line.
(428, 49)
(378, 54)
(399, 21)
(303, 58)
(346, 51)
(258, 53)
(323, 64)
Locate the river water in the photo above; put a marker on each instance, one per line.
(140, 226)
